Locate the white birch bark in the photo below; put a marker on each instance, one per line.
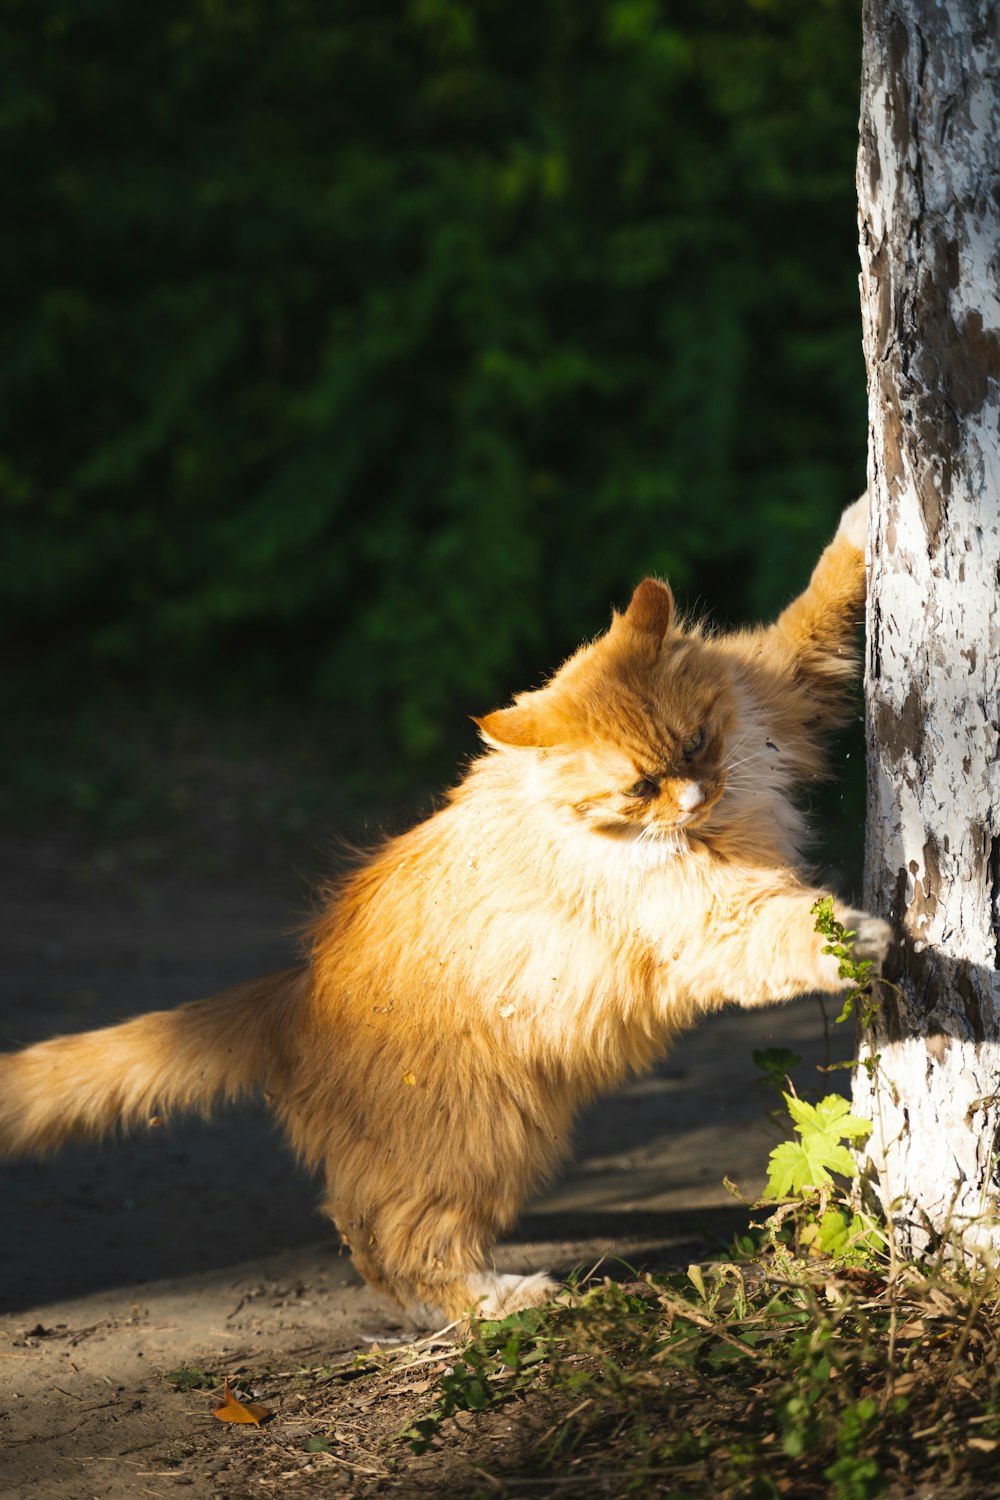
(929, 218)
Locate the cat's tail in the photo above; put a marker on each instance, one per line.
(167, 1062)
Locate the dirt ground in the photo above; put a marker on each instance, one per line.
(201, 1246)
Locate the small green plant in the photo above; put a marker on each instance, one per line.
(191, 1378)
(775, 1064)
(798, 1167)
(801, 1178)
(808, 1173)
(316, 1445)
(856, 1475)
(858, 971)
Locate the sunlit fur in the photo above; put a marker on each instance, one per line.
(533, 943)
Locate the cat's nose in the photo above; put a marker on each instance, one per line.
(691, 796)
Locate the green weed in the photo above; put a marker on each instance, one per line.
(192, 1378)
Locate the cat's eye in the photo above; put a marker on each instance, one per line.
(645, 788)
(693, 744)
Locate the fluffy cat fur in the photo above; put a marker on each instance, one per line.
(625, 856)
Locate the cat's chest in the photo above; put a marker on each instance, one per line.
(666, 904)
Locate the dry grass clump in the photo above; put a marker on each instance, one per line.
(775, 1377)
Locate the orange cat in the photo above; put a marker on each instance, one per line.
(625, 856)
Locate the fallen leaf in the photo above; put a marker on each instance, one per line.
(232, 1410)
(913, 1328)
(410, 1078)
(412, 1388)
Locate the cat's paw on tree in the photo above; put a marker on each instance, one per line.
(854, 523)
(872, 937)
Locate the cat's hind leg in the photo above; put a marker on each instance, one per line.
(429, 1257)
(422, 1176)
(438, 1293)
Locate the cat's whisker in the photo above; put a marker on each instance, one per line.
(738, 743)
(742, 774)
(746, 761)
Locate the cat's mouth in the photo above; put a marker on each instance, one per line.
(694, 819)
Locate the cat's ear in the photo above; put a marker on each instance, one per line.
(524, 724)
(650, 610)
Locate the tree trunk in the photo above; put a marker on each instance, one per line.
(929, 218)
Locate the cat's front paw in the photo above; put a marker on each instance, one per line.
(872, 937)
(853, 527)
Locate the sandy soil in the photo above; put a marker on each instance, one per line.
(201, 1246)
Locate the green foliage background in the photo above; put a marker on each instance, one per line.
(362, 354)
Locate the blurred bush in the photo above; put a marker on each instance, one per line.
(364, 353)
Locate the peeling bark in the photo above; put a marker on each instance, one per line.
(929, 223)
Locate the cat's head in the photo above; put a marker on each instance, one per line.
(633, 732)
